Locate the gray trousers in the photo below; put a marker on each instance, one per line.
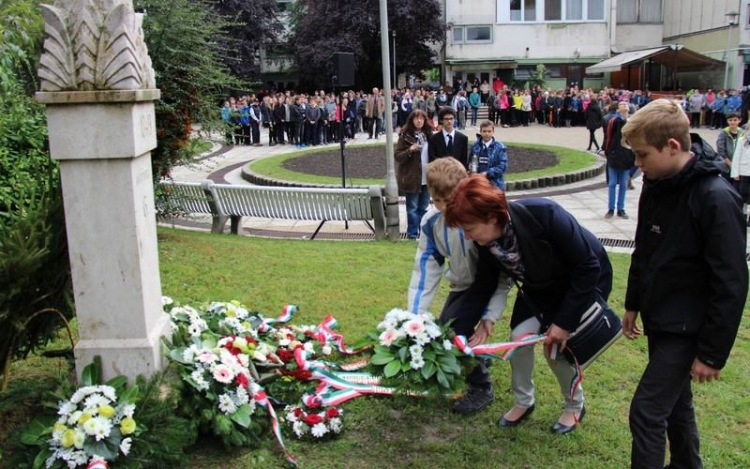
(522, 371)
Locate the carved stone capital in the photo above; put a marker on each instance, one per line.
(94, 45)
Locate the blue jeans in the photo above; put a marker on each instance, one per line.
(615, 177)
(416, 206)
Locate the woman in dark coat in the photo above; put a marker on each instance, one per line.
(563, 268)
(593, 121)
(411, 168)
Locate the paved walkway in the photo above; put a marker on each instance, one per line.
(586, 200)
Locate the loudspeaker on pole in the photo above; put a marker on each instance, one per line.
(344, 62)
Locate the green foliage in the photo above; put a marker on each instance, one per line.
(160, 439)
(182, 36)
(538, 78)
(416, 361)
(34, 268)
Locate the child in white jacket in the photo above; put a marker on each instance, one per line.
(443, 252)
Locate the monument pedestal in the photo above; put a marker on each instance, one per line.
(103, 141)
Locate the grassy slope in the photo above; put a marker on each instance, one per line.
(358, 283)
(569, 160)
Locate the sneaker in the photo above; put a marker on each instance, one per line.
(609, 214)
(475, 400)
(622, 214)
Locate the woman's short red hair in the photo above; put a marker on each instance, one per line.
(476, 200)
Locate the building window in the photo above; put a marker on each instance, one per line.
(523, 10)
(551, 10)
(554, 71)
(524, 72)
(472, 34)
(639, 11)
(596, 9)
(458, 35)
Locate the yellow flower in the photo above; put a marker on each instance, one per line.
(68, 438)
(83, 418)
(106, 411)
(59, 427)
(127, 426)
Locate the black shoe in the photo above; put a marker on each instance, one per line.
(505, 423)
(622, 214)
(475, 400)
(609, 214)
(561, 429)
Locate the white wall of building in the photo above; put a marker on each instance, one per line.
(690, 16)
(637, 36)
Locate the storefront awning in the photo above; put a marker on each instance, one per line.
(675, 55)
(485, 63)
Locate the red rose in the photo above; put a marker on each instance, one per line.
(313, 419)
(298, 412)
(332, 413)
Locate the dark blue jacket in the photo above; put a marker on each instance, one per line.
(564, 264)
(493, 160)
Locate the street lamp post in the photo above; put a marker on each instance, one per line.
(732, 15)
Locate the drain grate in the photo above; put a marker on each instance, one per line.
(617, 243)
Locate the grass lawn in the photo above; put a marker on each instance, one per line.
(358, 283)
(568, 161)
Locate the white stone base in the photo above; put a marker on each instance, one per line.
(127, 357)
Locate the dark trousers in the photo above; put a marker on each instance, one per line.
(280, 131)
(466, 310)
(662, 407)
(255, 131)
(592, 139)
(373, 123)
(311, 133)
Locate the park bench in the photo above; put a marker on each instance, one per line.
(232, 202)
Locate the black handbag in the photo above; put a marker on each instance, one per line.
(599, 328)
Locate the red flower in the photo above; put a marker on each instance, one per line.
(301, 375)
(313, 419)
(298, 412)
(242, 381)
(285, 355)
(332, 413)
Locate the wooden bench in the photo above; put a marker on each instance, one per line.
(232, 202)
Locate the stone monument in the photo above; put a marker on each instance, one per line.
(98, 85)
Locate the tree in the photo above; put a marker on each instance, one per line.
(252, 25)
(357, 30)
(34, 265)
(183, 39)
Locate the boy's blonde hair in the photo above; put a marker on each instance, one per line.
(657, 122)
(486, 123)
(443, 175)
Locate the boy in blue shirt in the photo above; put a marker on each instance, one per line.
(492, 156)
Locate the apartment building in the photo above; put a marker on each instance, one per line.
(648, 44)
(654, 44)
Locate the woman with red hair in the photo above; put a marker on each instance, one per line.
(561, 266)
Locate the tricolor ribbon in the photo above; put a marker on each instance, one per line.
(326, 333)
(262, 400)
(287, 314)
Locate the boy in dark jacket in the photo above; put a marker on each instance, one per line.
(492, 156)
(688, 280)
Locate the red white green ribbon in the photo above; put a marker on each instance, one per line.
(262, 400)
